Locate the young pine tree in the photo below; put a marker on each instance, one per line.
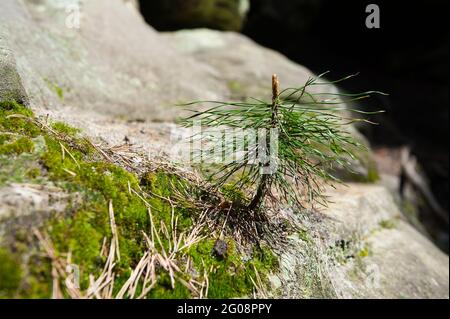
(293, 144)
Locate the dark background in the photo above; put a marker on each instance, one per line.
(408, 57)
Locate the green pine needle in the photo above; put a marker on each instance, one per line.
(312, 137)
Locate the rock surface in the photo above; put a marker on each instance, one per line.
(246, 67)
(11, 87)
(180, 14)
(101, 65)
(361, 247)
(108, 74)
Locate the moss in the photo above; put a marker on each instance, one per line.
(4, 138)
(237, 89)
(17, 147)
(164, 289)
(10, 274)
(365, 251)
(372, 175)
(233, 194)
(231, 276)
(15, 118)
(24, 168)
(175, 14)
(33, 173)
(63, 128)
(388, 224)
(304, 235)
(59, 91)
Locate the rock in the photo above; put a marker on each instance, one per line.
(360, 247)
(23, 206)
(247, 68)
(133, 4)
(181, 14)
(11, 87)
(131, 75)
(101, 66)
(220, 249)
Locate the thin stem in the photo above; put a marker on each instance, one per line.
(266, 179)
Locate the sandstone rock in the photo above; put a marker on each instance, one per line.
(11, 87)
(24, 206)
(181, 14)
(244, 65)
(101, 66)
(360, 247)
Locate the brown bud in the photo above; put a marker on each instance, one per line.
(275, 87)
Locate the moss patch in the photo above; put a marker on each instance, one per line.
(10, 274)
(59, 91)
(173, 14)
(388, 224)
(17, 146)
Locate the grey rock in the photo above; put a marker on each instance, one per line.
(360, 247)
(181, 14)
(11, 87)
(101, 65)
(245, 66)
(24, 206)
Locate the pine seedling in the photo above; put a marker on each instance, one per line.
(283, 150)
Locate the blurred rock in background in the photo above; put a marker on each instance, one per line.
(179, 14)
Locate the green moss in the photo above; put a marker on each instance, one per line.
(372, 175)
(364, 252)
(230, 276)
(10, 274)
(233, 194)
(214, 14)
(63, 128)
(23, 168)
(4, 138)
(33, 173)
(15, 118)
(304, 235)
(59, 91)
(19, 146)
(388, 224)
(164, 289)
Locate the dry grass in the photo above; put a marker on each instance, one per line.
(165, 252)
